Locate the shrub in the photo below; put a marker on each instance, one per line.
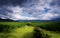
(28, 24)
(39, 33)
(6, 28)
(51, 26)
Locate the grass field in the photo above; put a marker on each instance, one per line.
(24, 32)
(53, 34)
(20, 30)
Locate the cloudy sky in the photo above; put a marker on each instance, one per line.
(30, 9)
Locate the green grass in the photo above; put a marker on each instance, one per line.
(21, 31)
(53, 34)
(24, 32)
(13, 23)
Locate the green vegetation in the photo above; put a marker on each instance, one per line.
(39, 33)
(29, 29)
(24, 32)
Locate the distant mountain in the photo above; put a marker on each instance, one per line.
(27, 20)
(53, 20)
(10, 20)
(5, 20)
(32, 20)
(38, 21)
(57, 19)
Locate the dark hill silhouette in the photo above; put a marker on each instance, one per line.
(53, 20)
(10, 20)
(6, 20)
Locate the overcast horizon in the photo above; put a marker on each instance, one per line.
(30, 9)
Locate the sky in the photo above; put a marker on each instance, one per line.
(30, 9)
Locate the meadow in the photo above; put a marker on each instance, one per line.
(29, 29)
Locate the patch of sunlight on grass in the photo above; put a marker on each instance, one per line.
(24, 32)
(53, 34)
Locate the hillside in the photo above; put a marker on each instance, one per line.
(6, 20)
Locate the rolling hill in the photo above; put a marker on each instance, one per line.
(6, 20)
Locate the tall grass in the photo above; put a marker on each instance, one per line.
(39, 33)
(9, 26)
(53, 26)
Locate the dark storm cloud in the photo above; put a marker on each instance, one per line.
(12, 2)
(30, 9)
(55, 2)
(4, 11)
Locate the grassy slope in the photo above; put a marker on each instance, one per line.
(53, 34)
(24, 32)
